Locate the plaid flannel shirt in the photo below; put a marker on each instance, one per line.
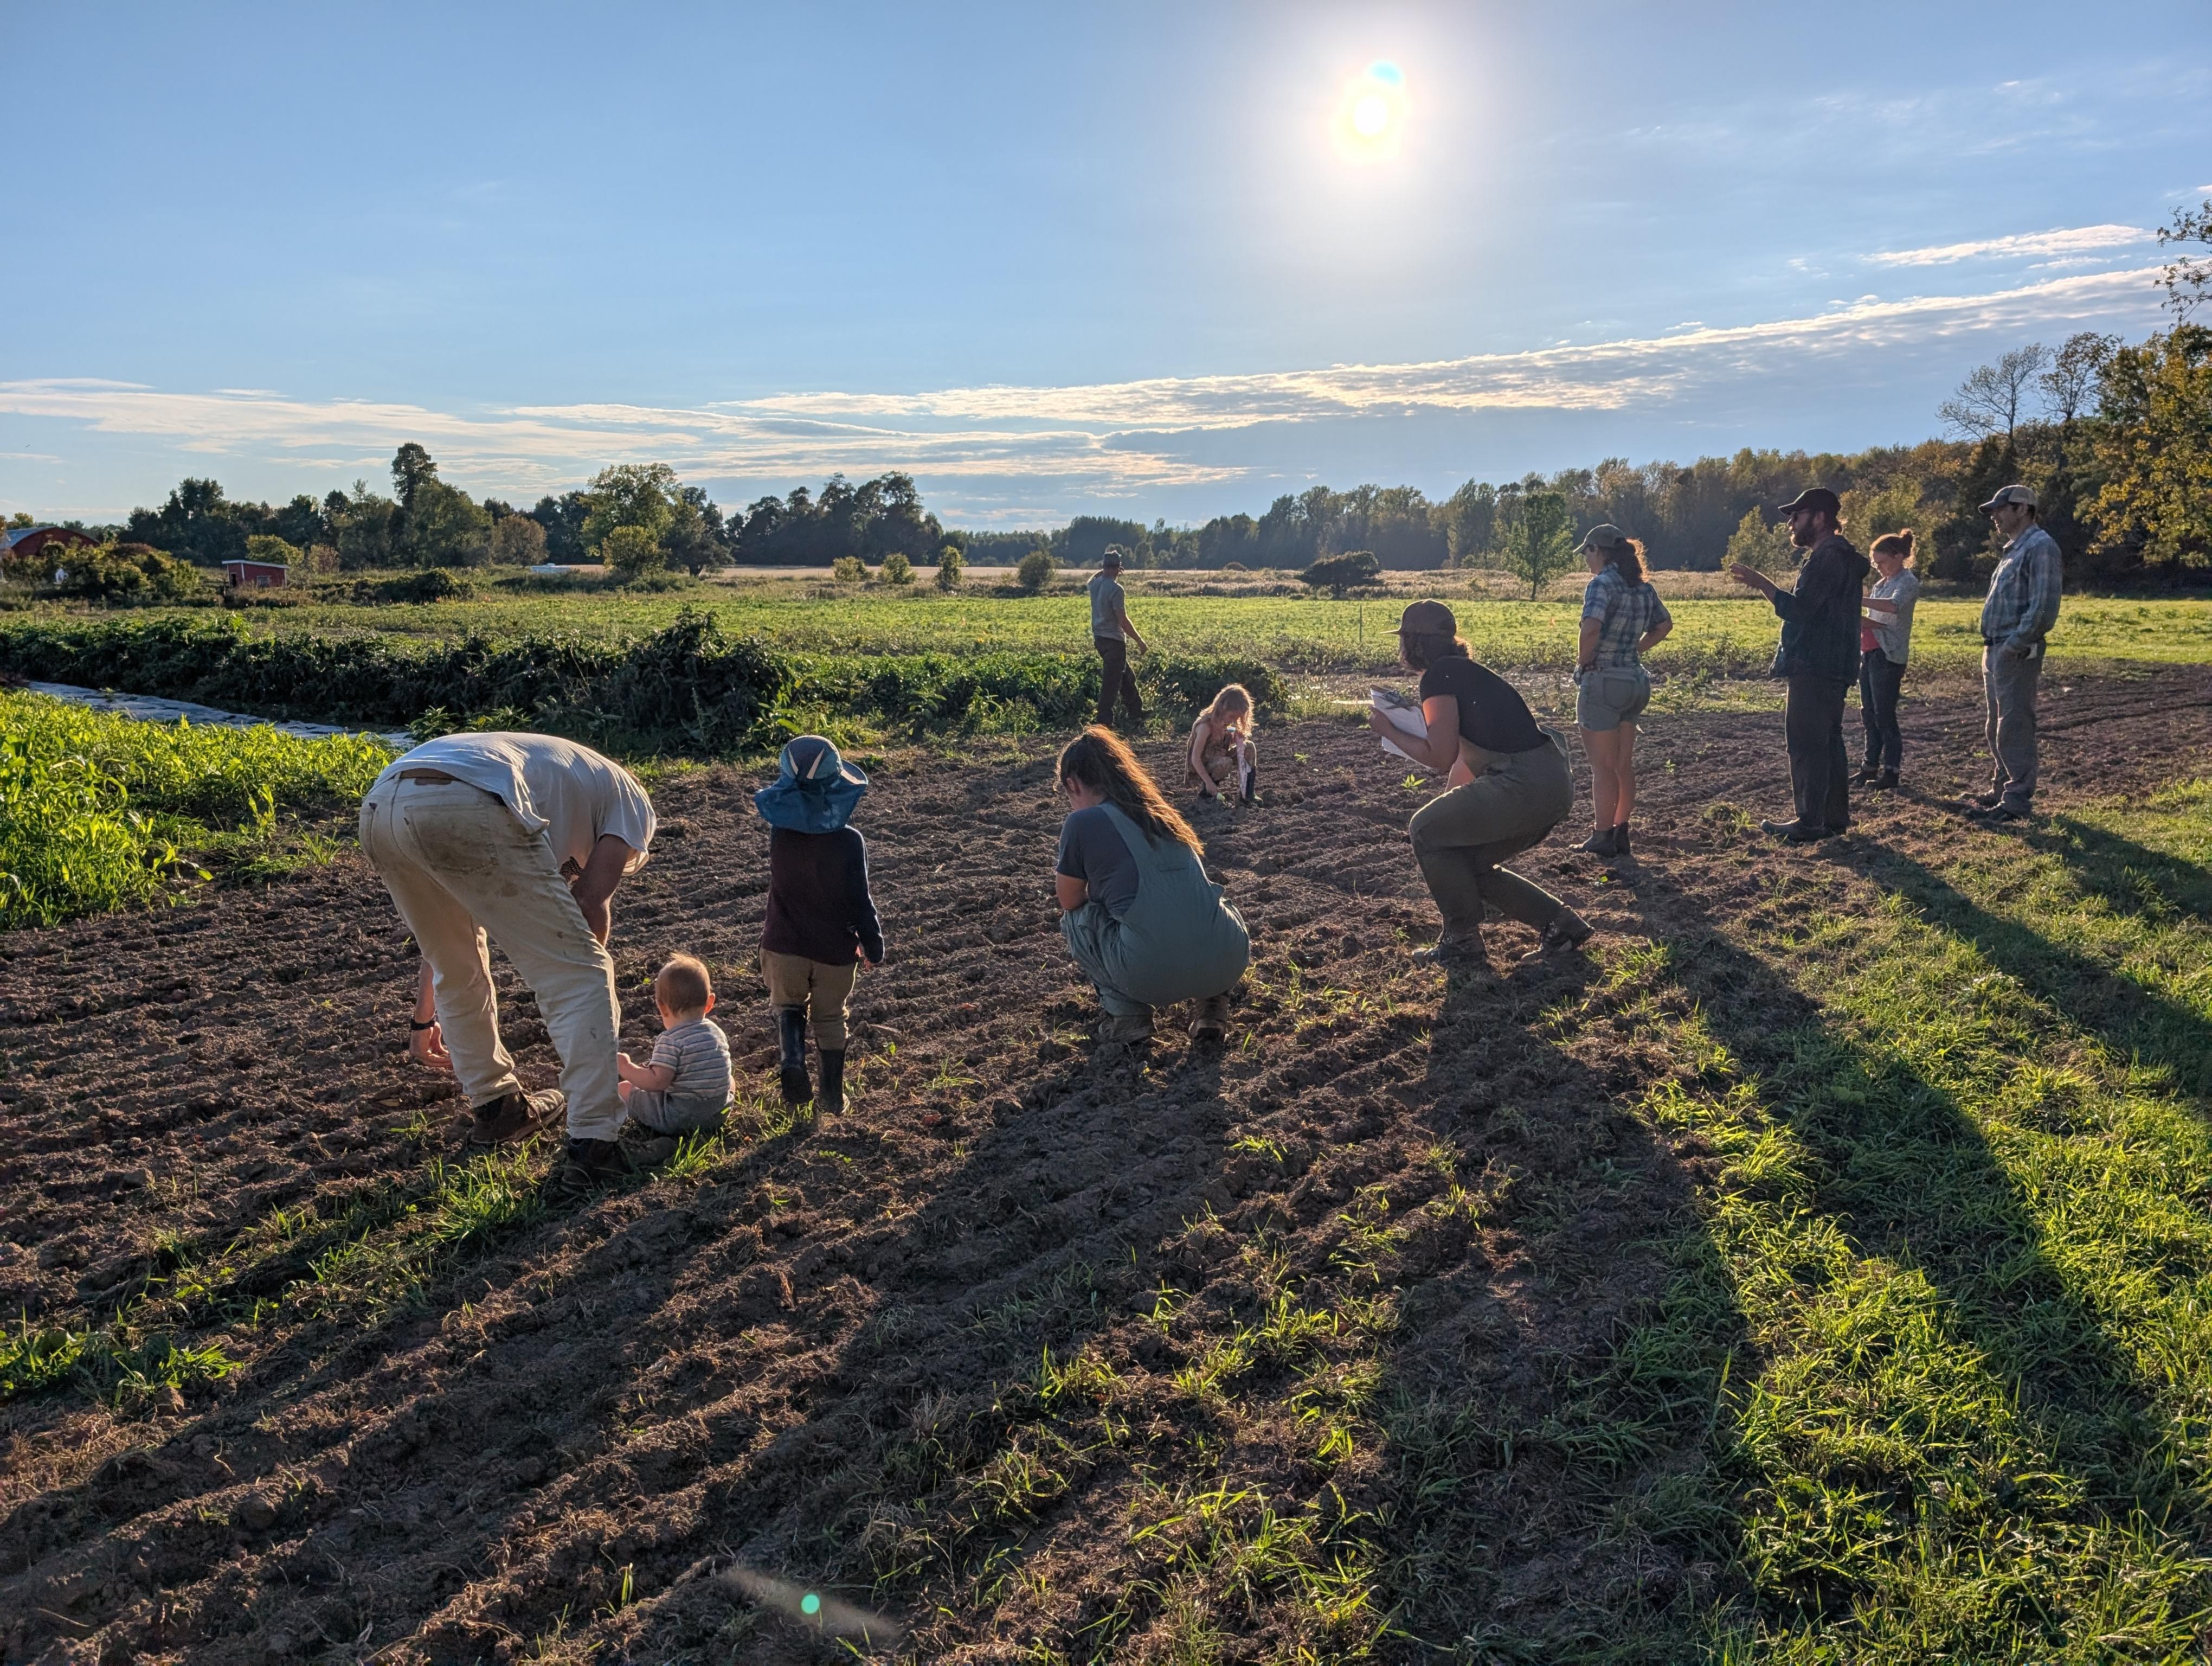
(1624, 612)
(2024, 591)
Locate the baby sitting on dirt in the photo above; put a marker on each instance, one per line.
(686, 1084)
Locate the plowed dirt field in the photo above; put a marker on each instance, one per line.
(1030, 1347)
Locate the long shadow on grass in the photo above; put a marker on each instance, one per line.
(1897, 1164)
(1549, 1485)
(2133, 878)
(2084, 993)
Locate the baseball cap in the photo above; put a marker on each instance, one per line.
(2020, 494)
(1604, 536)
(1812, 497)
(1112, 558)
(1428, 619)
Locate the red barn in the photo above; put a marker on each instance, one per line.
(257, 574)
(41, 548)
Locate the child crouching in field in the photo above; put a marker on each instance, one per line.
(1223, 760)
(685, 1085)
(821, 920)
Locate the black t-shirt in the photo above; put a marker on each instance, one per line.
(1490, 714)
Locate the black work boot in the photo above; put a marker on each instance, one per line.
(1250, 781)
(1620, 839)
(584, 1164)
(791, 1063)
(1606, 842)
(829, 1099)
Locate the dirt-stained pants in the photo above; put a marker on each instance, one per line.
(1461, 836)
(2009, 684)
(1117, 679)
(461, 867)
(821, 989)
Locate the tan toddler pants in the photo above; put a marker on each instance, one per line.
(822, 989)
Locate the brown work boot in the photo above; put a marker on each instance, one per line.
(1567, 929)
(1212, 1024)
(511, 1115)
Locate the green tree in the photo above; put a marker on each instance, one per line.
(1758, 545)
(2153, 448)
(275, 551)
(410, 468)
(641, 494)
(693, 537)
(442, 526)
(1033, 571)
(1338, 573)
(897, 569)
(366, 527)
(631, 551)
(948, 563)
(1538, 542)
(518, 541)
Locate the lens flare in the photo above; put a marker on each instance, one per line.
(1370, 116)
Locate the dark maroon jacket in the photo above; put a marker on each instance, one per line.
(819, 905)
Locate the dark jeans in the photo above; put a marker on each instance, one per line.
(1820, 768)
(1880, 678)
(1118, 679)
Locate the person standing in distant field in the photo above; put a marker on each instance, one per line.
(1111, 633)
(520, 839)
(2021, 607)
(1820, 656)
(1623, 619)
(1885, 642)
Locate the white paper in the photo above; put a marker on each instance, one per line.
(1405, 717)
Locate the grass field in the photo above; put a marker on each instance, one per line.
(100, 812)
(1294, 634)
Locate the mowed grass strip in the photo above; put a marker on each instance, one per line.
(1958, 1329)
(1292, 634)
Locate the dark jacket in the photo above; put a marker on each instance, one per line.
(1820, 617)
(819, 905)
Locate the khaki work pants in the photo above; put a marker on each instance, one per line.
(461, 868)
(821, 989)
(1461, 836)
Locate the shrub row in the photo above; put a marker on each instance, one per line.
(688, 688)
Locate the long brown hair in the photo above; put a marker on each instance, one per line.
(1421, 649)
(1626, 557)
(1102, 761)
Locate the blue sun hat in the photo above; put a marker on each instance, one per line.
(815, 789)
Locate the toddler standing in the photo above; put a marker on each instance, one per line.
(1222, 759)
(821, 920)
(685, 1083)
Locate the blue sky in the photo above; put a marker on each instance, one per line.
(1051, 259)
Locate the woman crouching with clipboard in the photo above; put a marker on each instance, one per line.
(1507, 784)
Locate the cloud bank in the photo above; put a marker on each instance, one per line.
(1047, 446)
(2075, 242)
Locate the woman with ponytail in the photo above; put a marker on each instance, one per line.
(1623, 619)
(1140, 915)
(1885, 640)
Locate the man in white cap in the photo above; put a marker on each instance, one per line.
(522, 839)
(2021, 607)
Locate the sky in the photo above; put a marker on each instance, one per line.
(1137, 260)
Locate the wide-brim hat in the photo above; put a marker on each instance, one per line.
(815, 790)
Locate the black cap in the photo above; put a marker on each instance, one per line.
(1112, 558)
(1812, 497)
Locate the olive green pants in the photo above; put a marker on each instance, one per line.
(1461, 836)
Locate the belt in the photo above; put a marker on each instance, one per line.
(428, 775)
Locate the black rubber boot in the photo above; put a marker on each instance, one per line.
(1620, 838)
(1250, 783)
(1606, 843)
(791, 1063)
(830, 1101)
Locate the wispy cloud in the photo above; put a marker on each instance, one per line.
(1107, 439)
(2077, 241)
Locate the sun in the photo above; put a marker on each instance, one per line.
(1371, 114)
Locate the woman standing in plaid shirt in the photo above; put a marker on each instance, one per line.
(1622, 619)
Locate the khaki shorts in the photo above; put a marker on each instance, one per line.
(1609, 696)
